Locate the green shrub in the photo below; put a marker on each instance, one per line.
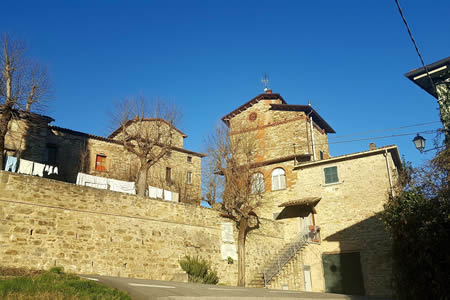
(198, 270)
(418, 221)
(57, 270)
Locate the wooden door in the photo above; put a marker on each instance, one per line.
(343, 273)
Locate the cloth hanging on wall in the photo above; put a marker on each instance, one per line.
(38, 169)
(51, 170)
(154, 192)
(122, 186)
(11, 164)
(175, 197)
(25, 167)
(167, 195)
(92, 181)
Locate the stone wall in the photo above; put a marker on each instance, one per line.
(348, 215)
(277, 131)
(44, 223)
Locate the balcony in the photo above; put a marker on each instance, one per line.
(312, 234)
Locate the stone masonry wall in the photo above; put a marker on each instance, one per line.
(348, 215)
(277, 131)
(44, 223)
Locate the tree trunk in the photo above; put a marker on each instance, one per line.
(141, 182)
(4, 120)
(243, 225)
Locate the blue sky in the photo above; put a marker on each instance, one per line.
(348, 57)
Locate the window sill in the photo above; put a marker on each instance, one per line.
(333, 183)
(279, 190)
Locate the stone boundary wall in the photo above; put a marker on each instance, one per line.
(46, 223)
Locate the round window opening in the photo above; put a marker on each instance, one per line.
(252, 116)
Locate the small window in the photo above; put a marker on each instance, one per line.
(278, 179)
(100, 163)
(258, 183)
(321, 155)
(168, 174)
(331, 175)
(51, 154)
(189, 159)
(189, 177)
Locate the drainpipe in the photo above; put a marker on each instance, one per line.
(389, 172)
(312, 137)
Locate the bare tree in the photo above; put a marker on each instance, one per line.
(234, 158)
(23, 85)
(212, 182)
(147, 130)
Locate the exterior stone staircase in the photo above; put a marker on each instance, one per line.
(276, 265)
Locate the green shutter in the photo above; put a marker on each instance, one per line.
(331, 175)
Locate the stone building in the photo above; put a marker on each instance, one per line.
(31, 137)
(334, 241)
(319, 218)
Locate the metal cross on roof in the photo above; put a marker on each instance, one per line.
(265, 81)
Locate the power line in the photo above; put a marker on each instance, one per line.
(381, 130)
(414, 43)
(386, 136)
(307, 144)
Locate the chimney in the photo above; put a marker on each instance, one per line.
(268, 91)
(372, 146)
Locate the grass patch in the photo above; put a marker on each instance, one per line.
(55, 284)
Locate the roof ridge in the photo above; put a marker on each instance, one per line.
(115, 132)
(262, 96)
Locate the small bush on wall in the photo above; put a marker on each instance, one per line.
(198, 270)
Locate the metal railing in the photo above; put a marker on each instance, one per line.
(289, 252)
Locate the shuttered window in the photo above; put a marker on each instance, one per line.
(168, 175)
(331, 175)
(189, 177)
(100, 163)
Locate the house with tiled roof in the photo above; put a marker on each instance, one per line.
(31, 137)
(318, 197)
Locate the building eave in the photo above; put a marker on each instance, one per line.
(393, 149)
(264, 96)
(438, 71)
(113, 141)
(30, 115)
(308, 110)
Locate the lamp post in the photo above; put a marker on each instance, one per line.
(419, 141)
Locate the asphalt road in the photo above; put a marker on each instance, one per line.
(141, 289)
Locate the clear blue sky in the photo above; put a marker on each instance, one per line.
(348, 57)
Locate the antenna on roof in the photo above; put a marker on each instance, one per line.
(265, 81)
(309, 102)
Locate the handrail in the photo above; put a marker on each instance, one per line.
(286, 254)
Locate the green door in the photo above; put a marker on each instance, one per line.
(343, 274)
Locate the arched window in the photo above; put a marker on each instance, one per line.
(257, 183)
(278, 179)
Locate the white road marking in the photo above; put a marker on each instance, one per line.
(220, 289)
(152, 285)
(89, 278)
(281, 291)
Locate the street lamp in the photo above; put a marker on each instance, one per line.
(419, 141)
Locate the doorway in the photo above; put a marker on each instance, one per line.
(307, 276)
(342, 272)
